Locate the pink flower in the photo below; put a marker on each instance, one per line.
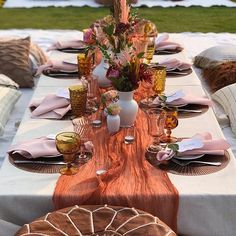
(113, 72)
(88, 36)
(89, 146)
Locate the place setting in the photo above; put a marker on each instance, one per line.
(175, 67)
(58, 69)
(163, 46)
(69, 46)
(63, 152)
(188, 105)
(199, 155)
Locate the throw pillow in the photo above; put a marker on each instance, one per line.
(219, 66)
(226, 97)
(14, 61)
(8, 98)
(215, 55)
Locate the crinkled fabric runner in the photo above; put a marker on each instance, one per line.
(130, 180)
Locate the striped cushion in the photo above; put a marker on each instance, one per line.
(8, 97)
(226, 97)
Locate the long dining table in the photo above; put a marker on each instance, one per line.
(207, 203)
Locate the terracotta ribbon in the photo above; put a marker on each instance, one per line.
(129, 181)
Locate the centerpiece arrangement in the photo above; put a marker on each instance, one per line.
(122, 39)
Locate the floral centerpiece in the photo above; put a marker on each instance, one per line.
(122, 39)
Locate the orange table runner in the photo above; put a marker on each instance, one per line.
(130, 180)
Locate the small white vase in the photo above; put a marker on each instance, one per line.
(113, 123)
(100, 71)
(129, 108)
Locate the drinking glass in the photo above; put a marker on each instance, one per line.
(150, 49)
(68, 144)
(156, 122)
(78, 99)
(82, 127)
(93, 94)
(85, 64)
(159, 79)
(170, 123)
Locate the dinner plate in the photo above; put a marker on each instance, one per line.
(189, 157)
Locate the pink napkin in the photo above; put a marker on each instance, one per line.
(51, 107)
(210, 146)
(39, 147)
(187, 99)
(174, 64)
(162, 43)
(57, 66)
(76, 44)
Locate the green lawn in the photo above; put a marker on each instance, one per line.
(178, 19)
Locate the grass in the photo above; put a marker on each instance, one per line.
(174, 19)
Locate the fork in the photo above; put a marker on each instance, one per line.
(185, 163)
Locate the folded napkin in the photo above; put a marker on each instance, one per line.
(174, 64)
(51, 107)
(162, 43)
(39, 147)
(198, 144)
(75, 44)
(180, 98)
(55, 66)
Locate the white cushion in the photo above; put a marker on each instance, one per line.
(8, 97)
(215, 55)
(226, 97)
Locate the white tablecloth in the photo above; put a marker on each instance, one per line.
(207, 203)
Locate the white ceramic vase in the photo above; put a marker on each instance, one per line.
(113, 123)
(100, 71)
(129, 108)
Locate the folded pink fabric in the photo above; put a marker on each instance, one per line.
(57, 66)
(39, 147)
(210, 146)
(175, 64)
(187, 99)
(162, 43)
(51, 107)
(76, 44)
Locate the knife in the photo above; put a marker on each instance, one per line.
(189, 110)
(39, 162)
(62, 74)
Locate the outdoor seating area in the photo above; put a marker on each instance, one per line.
(117, 129)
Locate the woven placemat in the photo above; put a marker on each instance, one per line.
(40, 168)
(194, 168)
(168, 51)
(179, 73)
(194, 107)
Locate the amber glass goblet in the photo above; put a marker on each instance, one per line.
(150, 49)
(171, 123)
(68, 144)
(159, 79)
(156, 122)
(85, 64)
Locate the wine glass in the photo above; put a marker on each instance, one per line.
(170, 123)
(68, 144)
(82, 127)
(156, 121)
(150, 48)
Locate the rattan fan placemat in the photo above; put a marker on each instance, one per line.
(194, 169)
(40, 168)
